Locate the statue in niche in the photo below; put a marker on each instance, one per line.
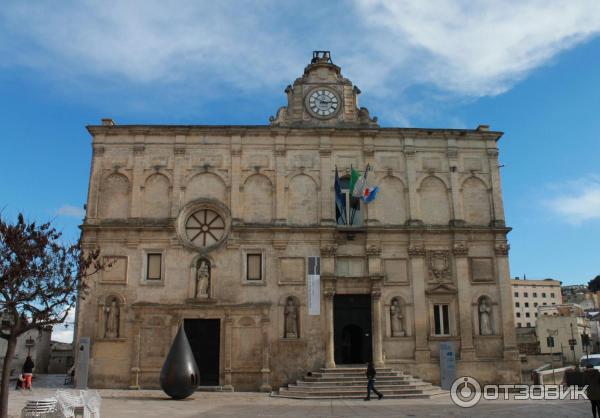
(396, 318)
(202, 279)
(112, 315)
(485, 323)
(291, 319)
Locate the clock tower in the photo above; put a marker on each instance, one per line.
(322, 97)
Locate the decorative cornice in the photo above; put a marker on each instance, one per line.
(373, 250)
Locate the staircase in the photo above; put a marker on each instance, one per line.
(351, 383)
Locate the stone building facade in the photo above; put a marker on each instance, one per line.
(233, 231)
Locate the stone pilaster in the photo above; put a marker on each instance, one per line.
(455, 193)
(329, 343)
(280, 178)
(377, 336)
(228, 342)
(134, 382)
(236, 163)
(137, 181)
(461, 260)
(327, 182)
(416, 252)
(95, 180)
(179, 170)
(414, 212)
(266, 368)
(497, 205)
(506, 301)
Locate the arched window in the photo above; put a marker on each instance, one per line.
(353, 215)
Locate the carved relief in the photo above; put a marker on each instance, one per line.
(416, 250)
(328, 250)
(373, 250)
(460, 249)
(438, 263)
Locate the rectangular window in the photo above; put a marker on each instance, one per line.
(154, 267)
(525, 294)
(253, 266)
(518, 325)
(516, 294)
(543, 295)
(535, 304)
(534, 294)
(536, 314)
(527, 314)
(441, 319)
(552, 295)
(516, 304)
(518, 314)
(527, 304)
(528, 324)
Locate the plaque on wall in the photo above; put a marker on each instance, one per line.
(396, 270)
(292, 270)
(482, 269)
(117, 272)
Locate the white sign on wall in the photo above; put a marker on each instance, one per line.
(314, 285)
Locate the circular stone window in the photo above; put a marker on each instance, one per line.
(205, 228)
(203, 225)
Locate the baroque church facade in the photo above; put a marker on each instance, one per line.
(233, 232)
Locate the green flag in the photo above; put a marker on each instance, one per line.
(354, 176)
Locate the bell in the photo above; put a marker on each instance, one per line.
(179, 375)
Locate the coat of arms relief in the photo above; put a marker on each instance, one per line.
(440, 272)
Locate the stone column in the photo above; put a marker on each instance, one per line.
(266, 368)
(329, 343)
(414, 212)
(497, 205)
(416, 253)
(236, 162)
(227, 348)
(461, 252)
(506, 301)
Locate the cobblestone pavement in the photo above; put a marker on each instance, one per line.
(153, 403)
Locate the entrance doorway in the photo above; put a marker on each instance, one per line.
(204, 336)
(352, 329)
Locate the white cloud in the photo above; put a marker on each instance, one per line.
(578, 201)
(459, 46)
(71, 211)
(475, 48)
(64, 332)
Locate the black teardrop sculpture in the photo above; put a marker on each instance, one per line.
(179, 375)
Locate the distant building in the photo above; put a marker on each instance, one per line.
(61, 357)
(35, 343)
(562, 323)
(529, 294)
(581, 295)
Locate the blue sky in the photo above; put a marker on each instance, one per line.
(528, 68)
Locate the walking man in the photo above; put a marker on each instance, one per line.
(371, 382)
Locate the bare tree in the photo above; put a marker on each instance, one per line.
(40, 278)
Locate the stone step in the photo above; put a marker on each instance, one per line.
(405, 381)
(350, 383)
(303, 388)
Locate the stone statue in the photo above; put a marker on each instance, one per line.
(485, 324)
(202, 280)
(291, 319)
(112, 320)
(396, 319)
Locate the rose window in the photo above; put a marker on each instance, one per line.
(204, 228)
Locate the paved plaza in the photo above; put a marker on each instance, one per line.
(153, 403)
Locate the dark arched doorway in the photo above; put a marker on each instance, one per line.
(352, 329)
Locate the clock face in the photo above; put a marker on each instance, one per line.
(323, 102)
